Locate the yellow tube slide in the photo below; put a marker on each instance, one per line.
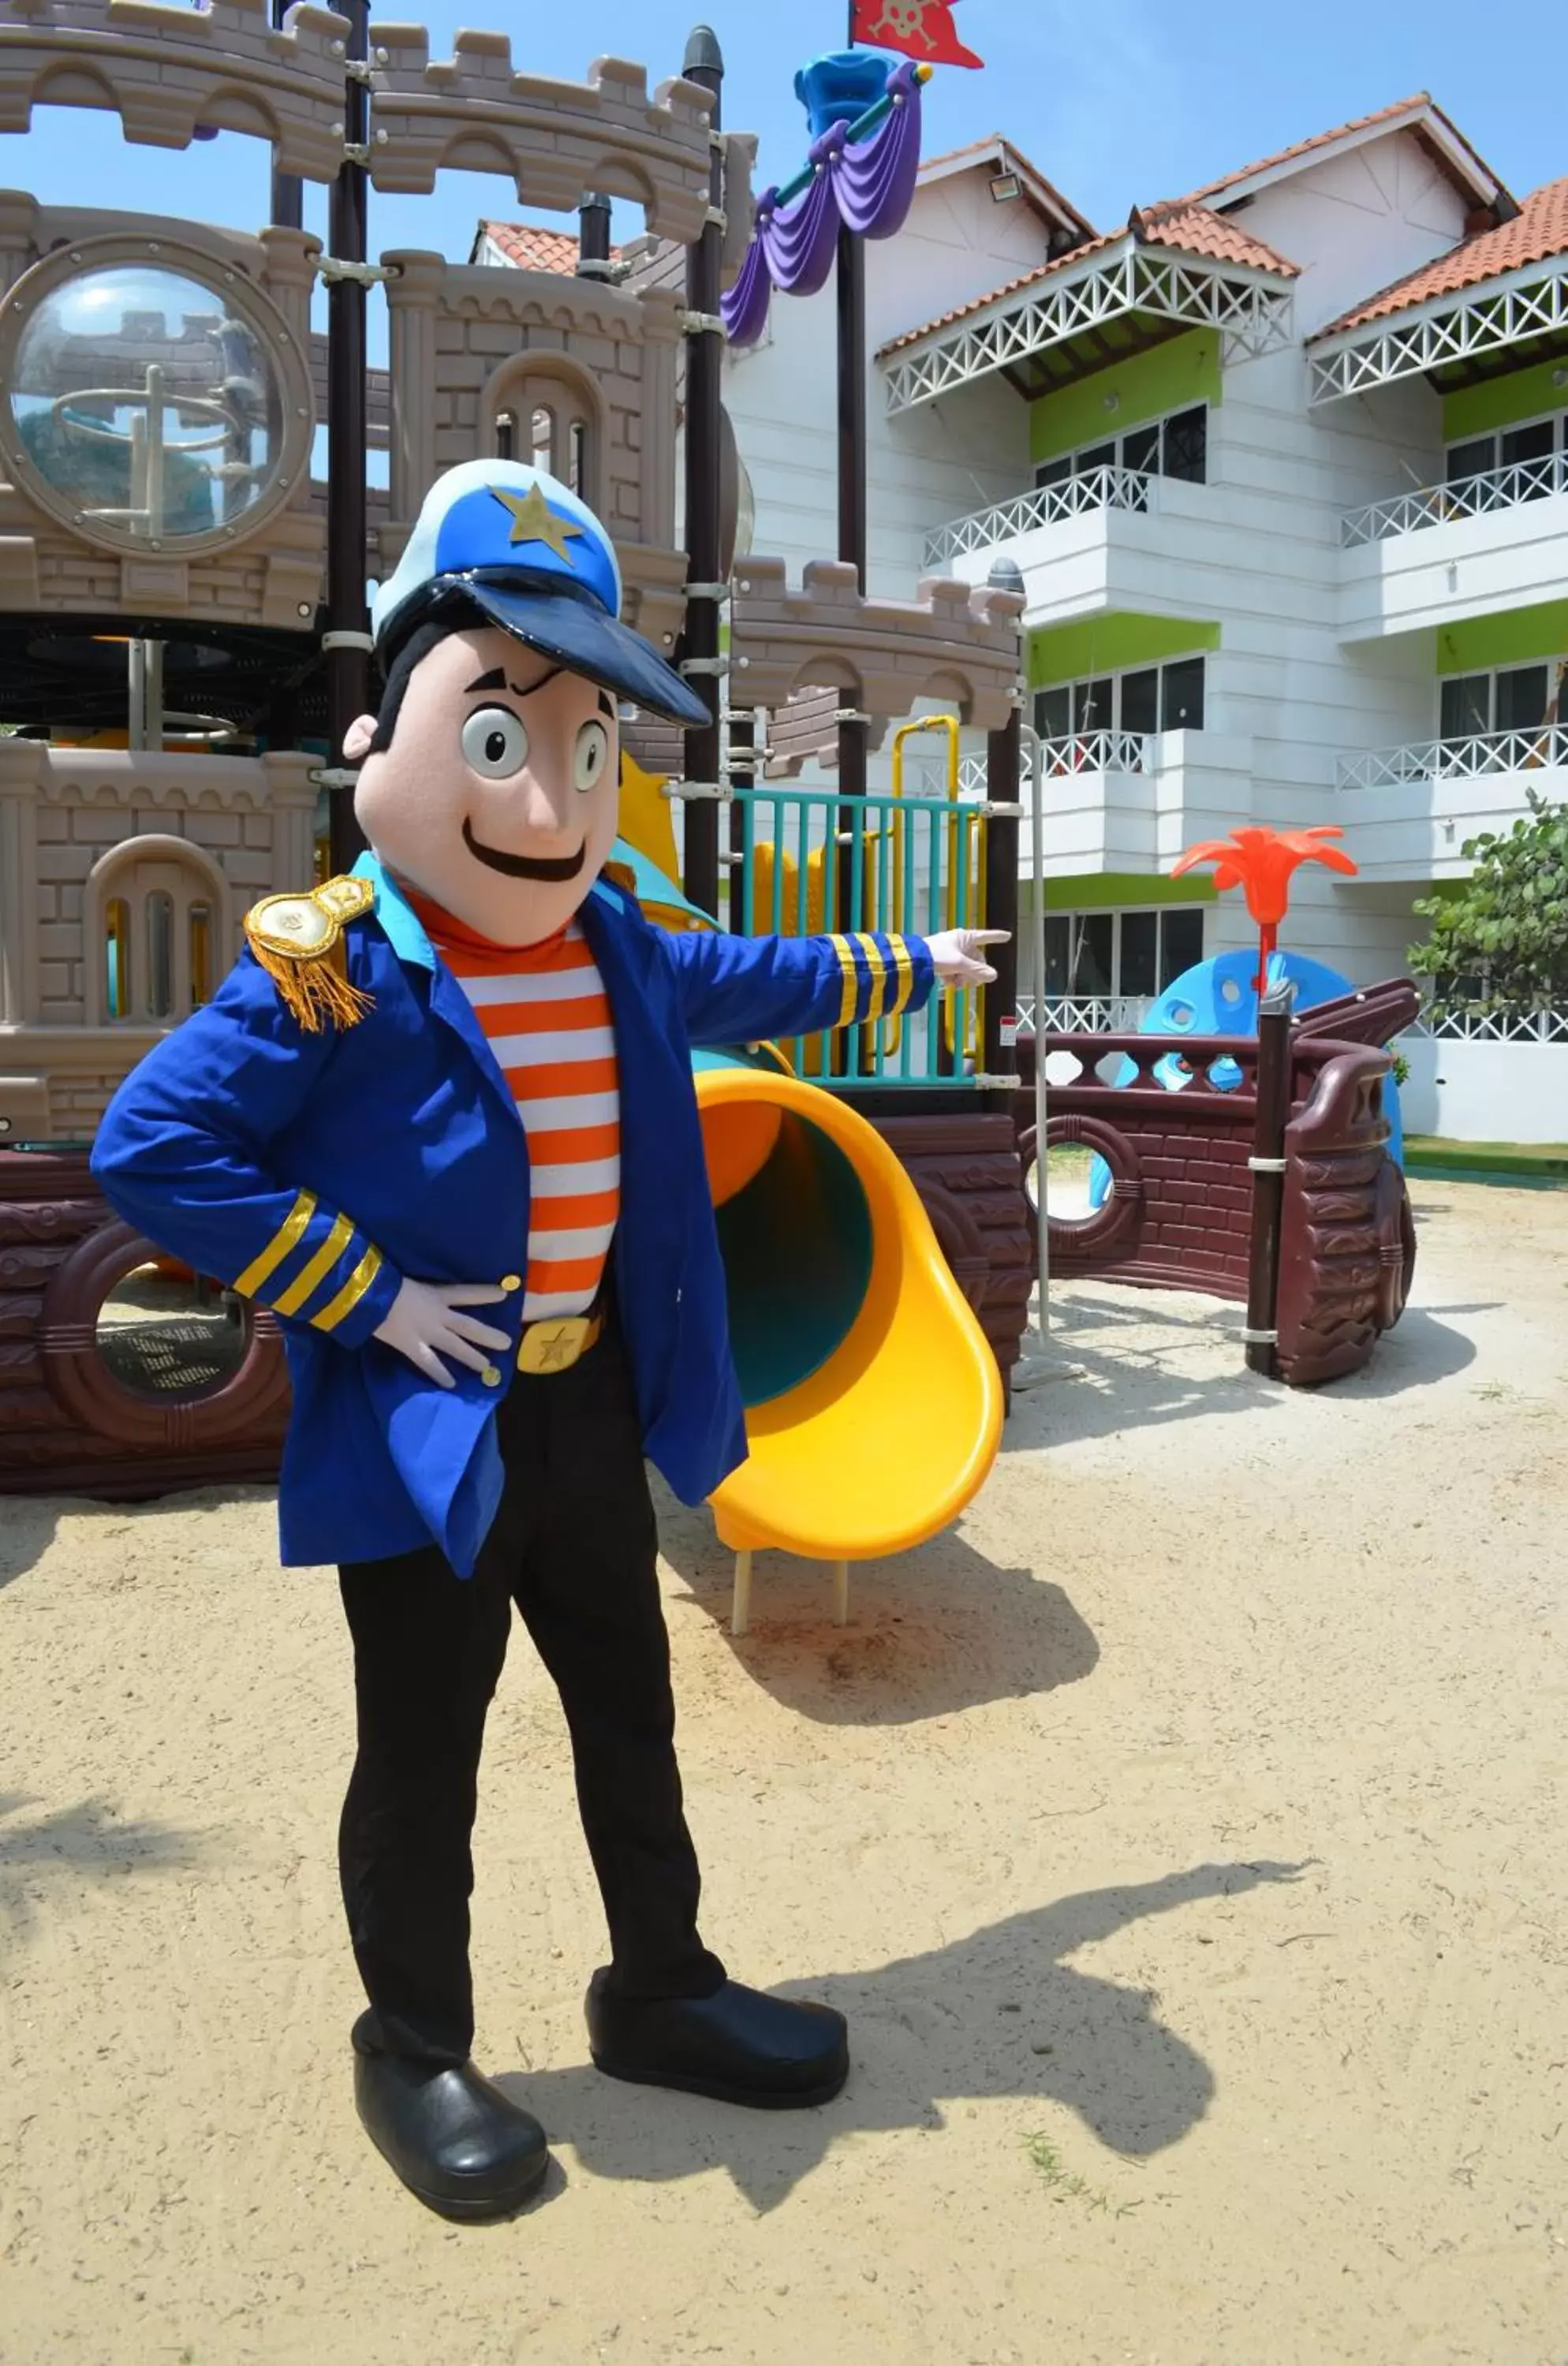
(874, 1407)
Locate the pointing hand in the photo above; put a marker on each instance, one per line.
(958, 956)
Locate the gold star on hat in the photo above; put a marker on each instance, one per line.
(532, 520)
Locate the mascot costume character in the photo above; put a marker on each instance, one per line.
(440, 1120)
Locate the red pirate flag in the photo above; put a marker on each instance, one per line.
(920, 29)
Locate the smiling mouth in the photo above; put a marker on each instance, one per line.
(524, 866)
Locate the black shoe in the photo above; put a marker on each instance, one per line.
(738, 2044)
(455, 2140)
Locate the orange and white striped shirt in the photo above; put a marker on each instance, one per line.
(546, 1018)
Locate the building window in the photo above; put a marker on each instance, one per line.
(1132, 953)
(1175, 447)
(1537, 447)
(155, 906)
(1514, 698)
(1141, 701)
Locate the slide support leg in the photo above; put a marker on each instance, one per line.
(841, 1593)
(740, 1607)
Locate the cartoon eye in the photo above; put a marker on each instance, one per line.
(495, 742)
(592, 755)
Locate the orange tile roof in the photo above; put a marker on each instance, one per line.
(1185, 228)
(532, 249)
(1420, 103)
(1539, 230)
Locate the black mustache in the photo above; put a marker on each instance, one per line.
(524, 866)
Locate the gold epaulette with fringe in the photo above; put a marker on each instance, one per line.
(298, 939)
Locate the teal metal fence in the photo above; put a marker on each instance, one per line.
(807, 862)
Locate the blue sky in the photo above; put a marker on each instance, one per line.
(1124, 101)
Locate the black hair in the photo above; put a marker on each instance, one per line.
(455, 615)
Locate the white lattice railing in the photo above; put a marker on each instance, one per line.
(1085, 1014)
(1096, 488)
(1494, 488)
(1494, 1027)
(1512, 308)
(1250, 305)
(1484, 753)
(1082, 751)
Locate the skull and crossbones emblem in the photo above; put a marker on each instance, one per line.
(905, 20)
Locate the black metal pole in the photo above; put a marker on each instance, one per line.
(851, 469)
(288, 188)
(1268, 1175)
(704, 366)
(592, 234)
(1004, 775)
(348, 668)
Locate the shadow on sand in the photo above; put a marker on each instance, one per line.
(997, 2015)
(86, 1841)
(931, 1632)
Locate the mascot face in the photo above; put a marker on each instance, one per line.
(491, 783)
(498, 794)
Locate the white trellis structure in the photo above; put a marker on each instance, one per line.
(1478, 496)
(1094, 488)
(1478, 755)
(1532, 301)
(1249, 304)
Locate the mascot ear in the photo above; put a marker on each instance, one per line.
(358, 738)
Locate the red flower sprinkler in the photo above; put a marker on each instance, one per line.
(1263, 862)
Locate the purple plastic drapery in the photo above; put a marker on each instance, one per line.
(868, 186)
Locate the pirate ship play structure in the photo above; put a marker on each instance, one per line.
(183, 630)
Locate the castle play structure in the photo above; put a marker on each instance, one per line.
(182, 642)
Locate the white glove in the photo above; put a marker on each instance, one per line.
(423, 1326)
(958, 959)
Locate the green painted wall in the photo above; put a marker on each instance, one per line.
(1515, 637)
(1498, 402)
(1167, 378)
(1108, 644)
(1108, 890)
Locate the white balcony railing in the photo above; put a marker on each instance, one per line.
(1083, 1014)
(1082, 751)
(1096, 488)
(1468, 497)
(1476, 757)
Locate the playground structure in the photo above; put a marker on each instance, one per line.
(1236, 1148)
(183, 641)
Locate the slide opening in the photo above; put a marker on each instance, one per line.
(796, 1242)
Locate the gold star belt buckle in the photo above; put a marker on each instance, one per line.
(556, 1347)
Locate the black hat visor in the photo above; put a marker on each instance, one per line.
(574, 630)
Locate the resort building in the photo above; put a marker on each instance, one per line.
(1284, 465)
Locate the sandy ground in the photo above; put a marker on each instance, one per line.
(1183, 1837)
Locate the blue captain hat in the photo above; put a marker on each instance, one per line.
(531, 556)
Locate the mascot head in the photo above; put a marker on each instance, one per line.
(489, 783)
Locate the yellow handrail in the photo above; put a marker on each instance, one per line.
(950, 725)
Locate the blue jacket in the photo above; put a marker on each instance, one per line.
(312, 1172)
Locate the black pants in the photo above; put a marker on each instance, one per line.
(574, 1546)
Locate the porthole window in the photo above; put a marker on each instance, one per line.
(153, 400)
(163, 1333)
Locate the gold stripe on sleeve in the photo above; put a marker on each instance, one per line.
(289, 1235)
(851, 996)
(353, 1291)
(316, 1272)
(903, 964)
(881, 976)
